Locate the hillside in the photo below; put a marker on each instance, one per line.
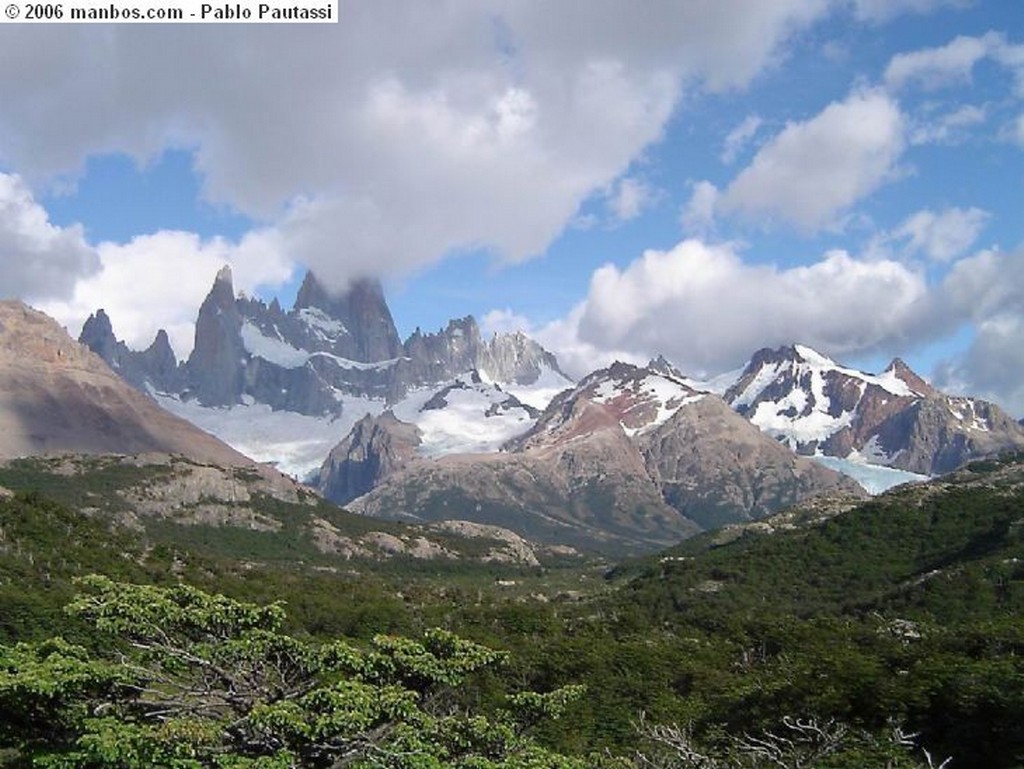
(58, 397)
(904, 609)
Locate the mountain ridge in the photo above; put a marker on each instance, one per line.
(629, 448)
(894, 419)
(56, 396)
(308, 359)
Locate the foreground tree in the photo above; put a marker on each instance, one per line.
(186, 679)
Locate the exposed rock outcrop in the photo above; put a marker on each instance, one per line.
(374, 449)
(156, 366)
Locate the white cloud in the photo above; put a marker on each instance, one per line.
(942, 236)
(698, 215)
(706, 310)
(503, 321)
(884, 10)
(951, 64)
(739, 137)
(1012, 57)
(986, 284)
(406, 131)
(576, 356)
(1016, 130)
(39, 259)
(812, 172)
(950, 128)
(988, 289)
(630, 198)
(991, 366)
(158, 281)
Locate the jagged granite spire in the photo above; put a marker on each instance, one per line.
(362, 310)
(155, 368)
(215, 368)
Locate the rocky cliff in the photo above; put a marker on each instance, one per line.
(374, 449)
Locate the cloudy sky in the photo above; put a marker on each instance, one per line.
(697, 178)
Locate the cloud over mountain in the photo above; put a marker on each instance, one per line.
(702, 306)
(401, 133)
(39, 259)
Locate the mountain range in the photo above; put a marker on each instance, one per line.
(447, 425)
(309, 359)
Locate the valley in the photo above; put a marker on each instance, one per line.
(681, 554)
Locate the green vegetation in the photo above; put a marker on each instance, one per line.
(185, 679)
(857, 640)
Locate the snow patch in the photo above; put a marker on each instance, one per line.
(462, 425)
(541, 392)
(355, 364)
(296, 443)
(667, 394)
(323, 325)
(275, 351)
(874, 478)
(764, 377)
(717, 384)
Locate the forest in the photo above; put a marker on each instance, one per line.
(890, 634)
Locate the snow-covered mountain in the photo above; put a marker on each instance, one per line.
(466, 416)
(286, 386)
(631, 457)
(894, 419)
(447, 425)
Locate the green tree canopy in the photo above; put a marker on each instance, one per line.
(185, 679)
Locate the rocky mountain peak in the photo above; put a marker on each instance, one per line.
(97, 328)
(375, 448)
(155, 367)
(631, 398)
(514, 357)
(901, 371)
(362, 312)
(98, 335)
(661, 365)
(213, 371)
(222, 294)
(768, 355)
